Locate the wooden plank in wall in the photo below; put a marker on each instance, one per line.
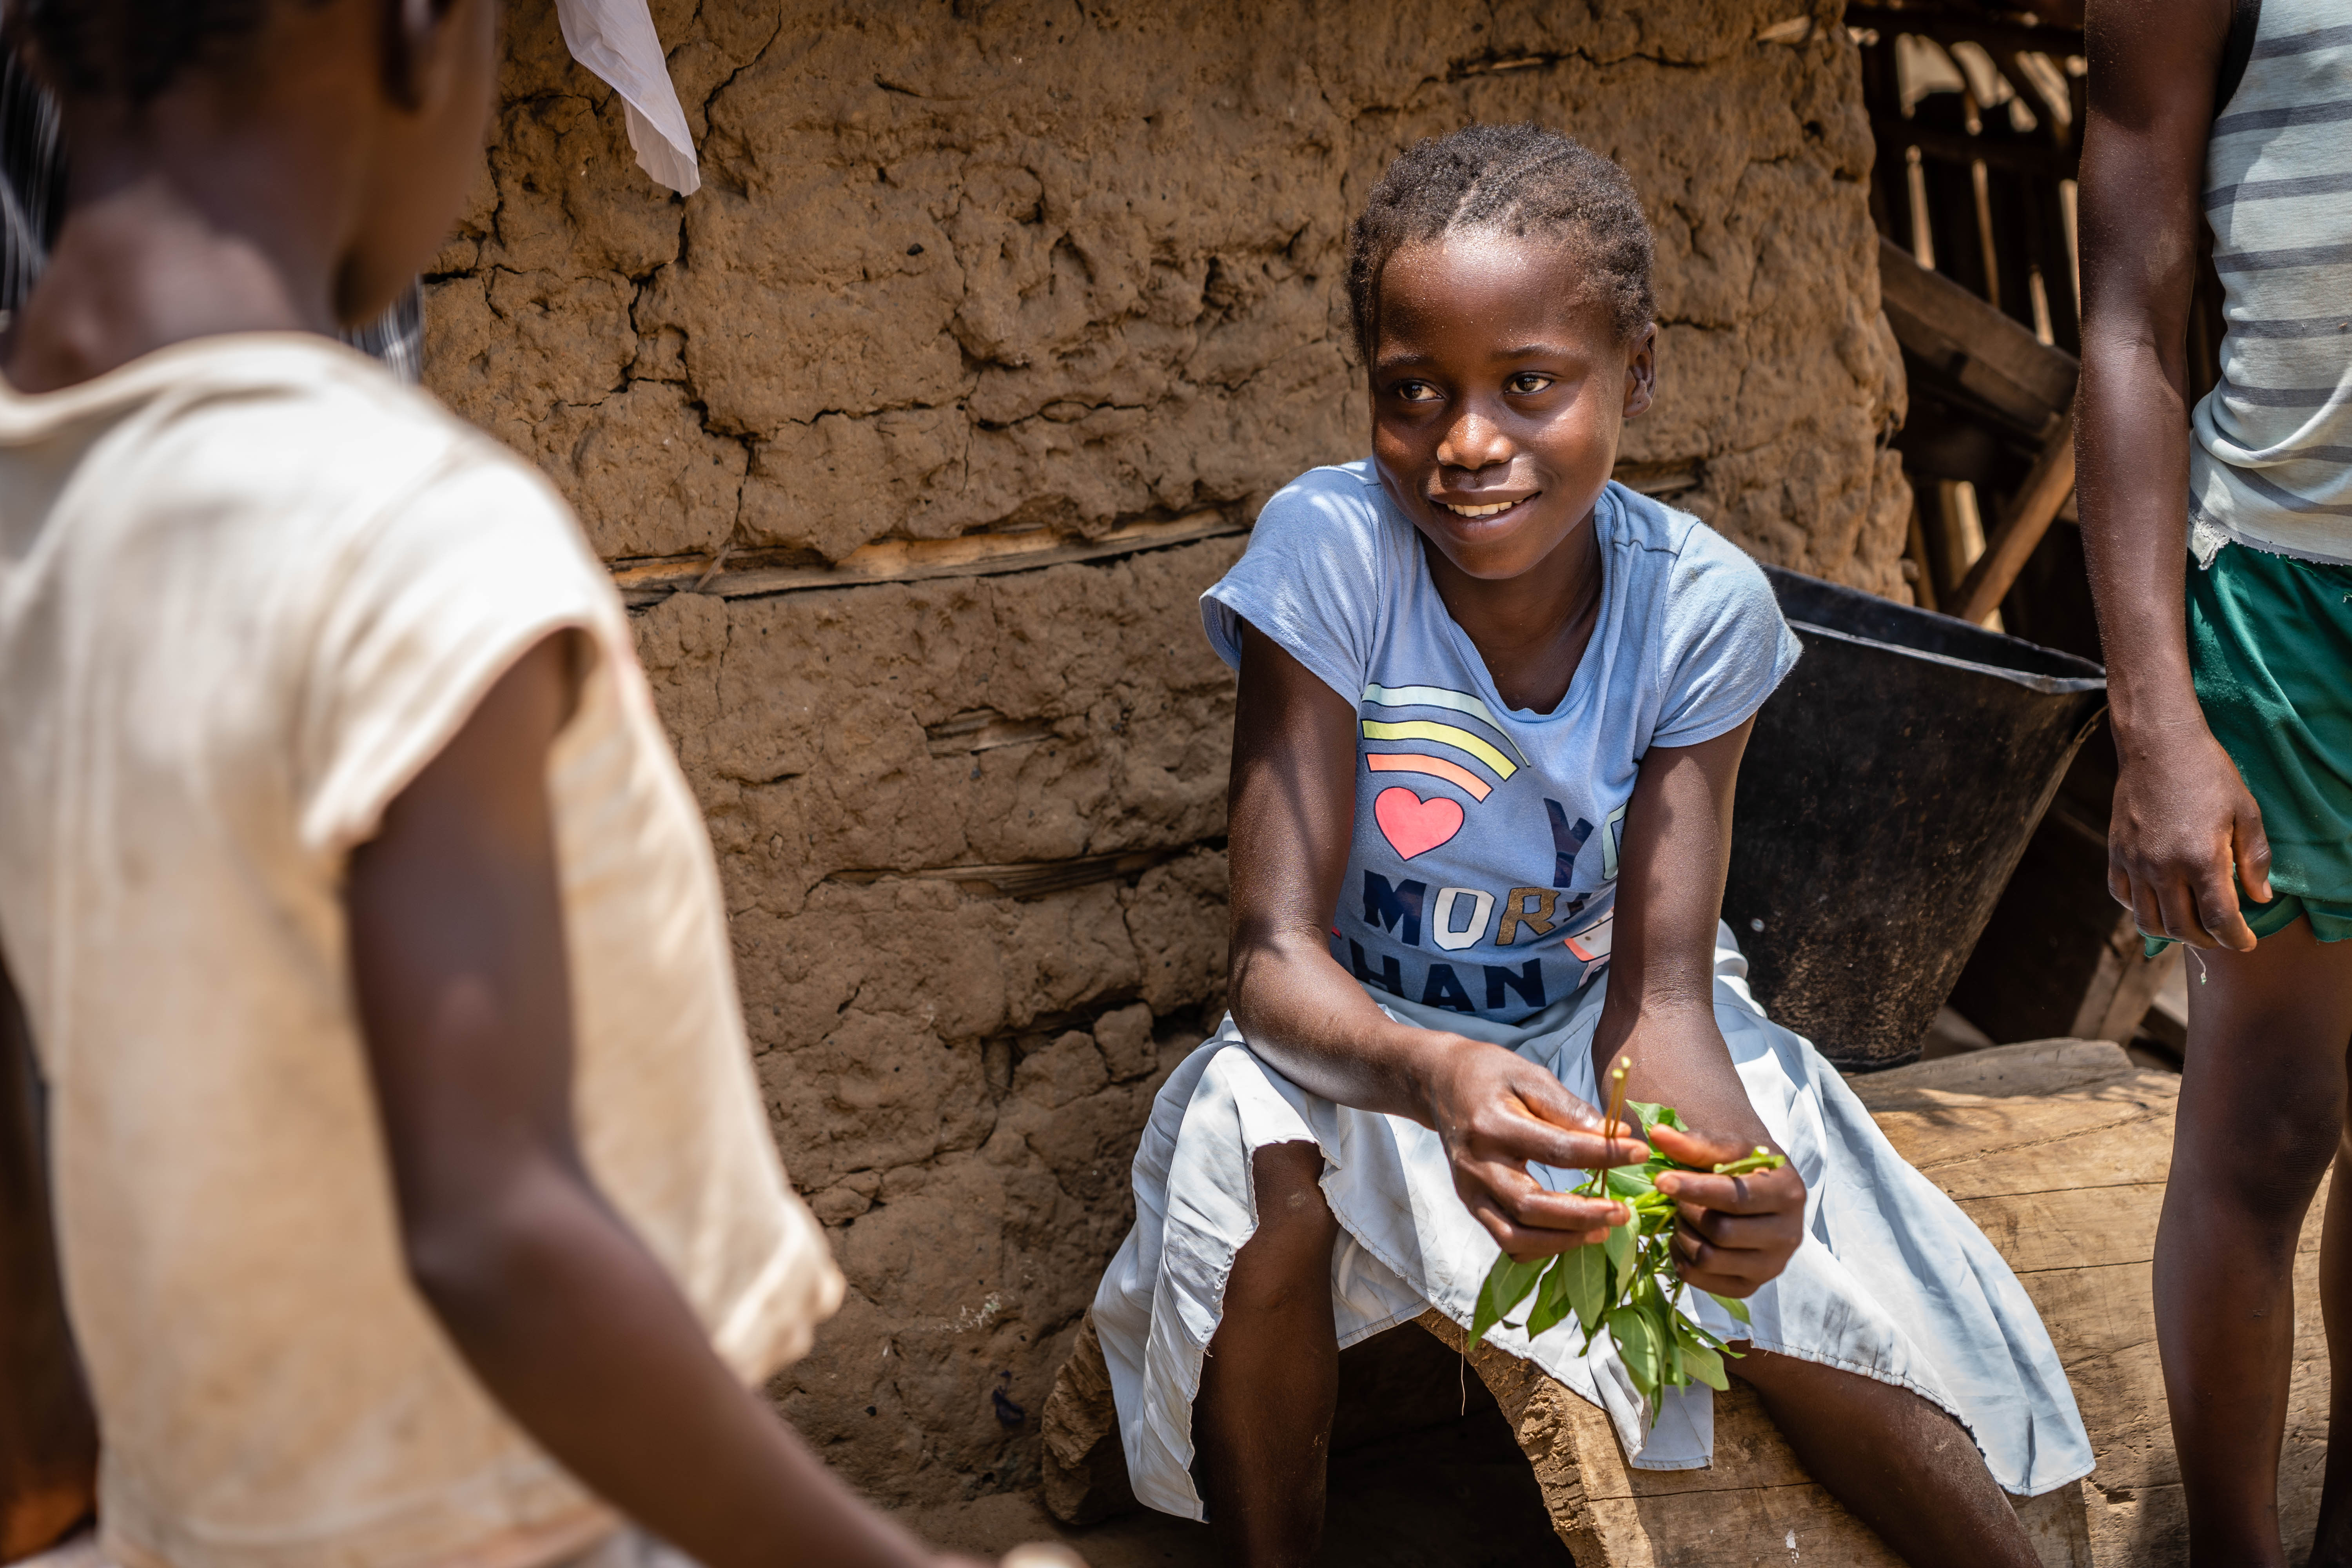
(1975, 347)
(733, 575)
(740, 574)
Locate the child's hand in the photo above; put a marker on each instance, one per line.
(1496, 1111)
(1735, 1232)
(2184, 836)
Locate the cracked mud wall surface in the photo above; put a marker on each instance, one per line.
(964, 268)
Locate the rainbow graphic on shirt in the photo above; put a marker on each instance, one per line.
(1473, 761)
(1496, 755)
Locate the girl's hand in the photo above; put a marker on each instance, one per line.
(1735, 1232)
(1496, 1112)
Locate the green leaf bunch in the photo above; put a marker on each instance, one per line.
(1627, 1283)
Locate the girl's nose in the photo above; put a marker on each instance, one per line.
(1473, 441)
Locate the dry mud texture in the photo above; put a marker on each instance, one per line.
(970, 267)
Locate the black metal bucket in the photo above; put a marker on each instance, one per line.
(1887, 795)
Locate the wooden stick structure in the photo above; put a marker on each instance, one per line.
(2023, 523)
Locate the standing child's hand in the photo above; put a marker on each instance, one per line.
(1736, 1233)
(2184, 836)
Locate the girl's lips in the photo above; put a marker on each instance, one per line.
(1492, 508)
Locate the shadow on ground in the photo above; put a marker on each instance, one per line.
(1423, 1470)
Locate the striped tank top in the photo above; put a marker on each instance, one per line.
(2271, 465)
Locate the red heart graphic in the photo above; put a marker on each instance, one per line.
(1414, 825)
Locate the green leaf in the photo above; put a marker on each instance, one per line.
(1733, 1305)
(1650, 1116)
(1637, 1346)
(1748, 1164)
(1507, 1284)
(1702, 1363)
(1620, 1252)
(1698, 1332)
(1584, 1279)
(1552, 1296)
(1628, 1181)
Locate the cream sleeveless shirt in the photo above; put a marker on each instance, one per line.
(2270, 464)
(250, 586)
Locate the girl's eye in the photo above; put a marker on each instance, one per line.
(1527, 382)
(1416, 392)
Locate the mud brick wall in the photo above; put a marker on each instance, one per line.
(1051, 277)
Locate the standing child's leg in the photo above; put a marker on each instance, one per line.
(2331, 1544)
(2262, 1113)
(1896, 1462)
(1263, 1420)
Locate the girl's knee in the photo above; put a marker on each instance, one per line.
(1288, 1179)
(1288, 1260)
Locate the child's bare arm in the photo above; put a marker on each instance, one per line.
(1293, 801)
(2182, 818)
(48, 1438)
(457, 949)
(1737, 1232)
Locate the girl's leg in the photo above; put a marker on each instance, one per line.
(1896, 1462)
(2261, 1113)
(1263, 1420)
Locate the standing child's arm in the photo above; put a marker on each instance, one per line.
(1737, 1232)
(457, 946)
(48, 1438)
(1294, 800)
(2182, 819)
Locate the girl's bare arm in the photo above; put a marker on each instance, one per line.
(1737, 1231)
(1293, 806)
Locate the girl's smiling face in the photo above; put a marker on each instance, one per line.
(1499, 385)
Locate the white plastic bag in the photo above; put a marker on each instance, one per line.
(616, 40)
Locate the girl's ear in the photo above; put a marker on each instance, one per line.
(1641, 371)
(417, 39)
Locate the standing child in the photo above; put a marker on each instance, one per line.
(2219, 543)
(1492, 706)
(414, 1199)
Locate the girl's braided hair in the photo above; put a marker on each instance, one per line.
(126, 49)
(1519, 180)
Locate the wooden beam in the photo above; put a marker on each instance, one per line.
(751, 574)
(2023, 523)
(1960, 147)
(1982, 351)
(1025, 880)
(736, 577)
(1946, 28)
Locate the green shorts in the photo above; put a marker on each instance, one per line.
(2270, 646)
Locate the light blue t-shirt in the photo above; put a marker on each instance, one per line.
(1483, 875)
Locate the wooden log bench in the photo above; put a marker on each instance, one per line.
(2058, 1149)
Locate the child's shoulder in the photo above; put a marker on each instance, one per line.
(297, 444)
(292, 408)
(1343, 495)
(1687, 566)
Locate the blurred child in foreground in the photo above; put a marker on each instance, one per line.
(414, 1201)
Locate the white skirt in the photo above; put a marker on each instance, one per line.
(1891, 1280)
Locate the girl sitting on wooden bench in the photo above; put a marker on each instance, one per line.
(1492, 706)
